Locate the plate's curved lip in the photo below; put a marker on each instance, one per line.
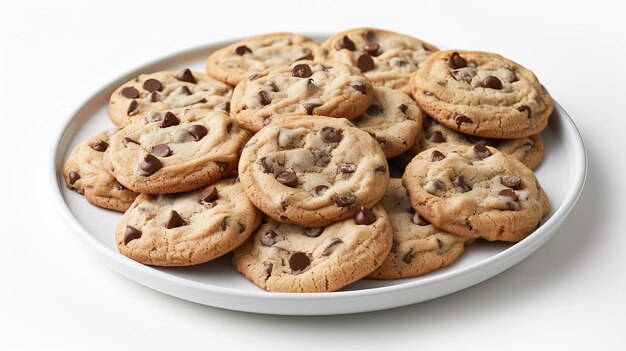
(104, 251)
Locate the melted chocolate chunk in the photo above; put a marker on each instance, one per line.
(511, 181)
(365, 63)
(299, 261)
(436, 137)
(161, 150)
(330, 135)
(242, 50)
(100, 146)
(364, 217)
(460, 119)
(461, 183)
(152, 85)
(345, 43)
(360, 88)
(456, 61)
(320, 190)
(374, 110)
(481, 151)
(264, 99)
(130, 92)
(345, 200)
(371, 48)
(313, 232)
(209, 194)
(288, 178)
(436, 156)
(269, 238)
(301, 71)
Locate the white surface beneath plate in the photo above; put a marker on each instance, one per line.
(562, 174)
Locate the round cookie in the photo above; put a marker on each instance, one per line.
(290, 258)
(475, 191)
(418, 246)
(482, 94)
(189, 228)
(164, 91)
(312, 171)
(528, 150)
(84, 172)
(386, 58)
(237, 61)
(302, 88)
(393, 119)
(174, 151)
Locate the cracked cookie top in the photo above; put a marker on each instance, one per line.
(482, 94)
(313, 171)
(475, 191)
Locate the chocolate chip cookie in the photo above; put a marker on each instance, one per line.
(85, 173)
(393, 119)
(418, 246)
(290, 258)
(189, 228)
(175, 151)
(302, 88)
(475, 191)
(313, 171)
(528, 150)
(386, 58)
(482, 94)
(244, 58)
(167, 90)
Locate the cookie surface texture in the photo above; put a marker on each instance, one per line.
(302, 88)
(85, 173)
(289, 258)
(167, 90)
(239, 60)
(475, 191)
(313, 171)
(189, 228)
(175, 151)
(482, 94)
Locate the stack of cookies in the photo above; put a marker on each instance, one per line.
(282, 153)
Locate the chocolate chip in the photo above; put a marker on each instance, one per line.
(526, 110)
(130, 92)
(154, 96)
(161, 150)
(301, 71)
(403, 108)
(268, 266)
(371, 48)
(201, 101)
(428, 93)
(128, 140)
(224, 224)
(436, 156)
(185, 91)
(511, 181)
(264, 99)
(374, 110)
(73, 177)
(313, 232)
(508, 193)
(330, 135)
(460, 119)
(360, 88)
(209, 194)
(152, 85)
(481, 151)
(382, 169)
(242, 228)
(345, 43)
(492, 82)
(364, 217)
(223, 166)
(320, 190)
(309, 107)
(100, 145)
(345, 200)
(169, 120)
(226, 107)
(436, 137)
(461, 183)
(346, 168)
(272, 87)
(365, 63)
(369, 35)
(174, 220)
(242, 50)
(456, 61)
(419, 220)
(331, 247)
(288, 178)
(132, 107)
(299, 261)
(267, 121)
(186, 76)
(398, 62)
(434, 186)
(131, 234)
(462, 76)
(269, 238)
(197, 131)
(408, 256)
(266, 164)
(307, 54)
(253, 76)
(150, 164)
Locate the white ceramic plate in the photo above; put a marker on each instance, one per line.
(562, 174)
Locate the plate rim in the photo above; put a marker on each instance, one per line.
(114, 259)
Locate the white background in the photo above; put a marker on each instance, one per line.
(570, 294)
